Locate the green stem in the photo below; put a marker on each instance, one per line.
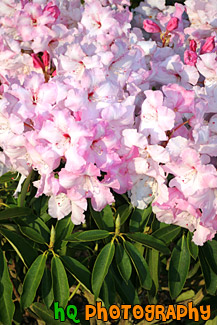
(74, 292)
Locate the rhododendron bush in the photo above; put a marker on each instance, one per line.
(108, 137)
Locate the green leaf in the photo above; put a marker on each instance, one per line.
(32, 281)
(149, 241)
(78, 271)
(63, 229)
(187, 295)
(32, 234)
(140, 265)
(210, 251)
(37, 224)
(179, 266)
(167, 234)
(107, 293)
(46, 314)
(25, 251)
(15, 213)
(46, 288)
(7, 307)
(7, 177)
(60, 282)
(90, 235)
(101, 267)
(212, 321)
(22, 196)
(126, 291)
(123, 262)
(139, 219)
(103, 219)
(193, 249)
(124, 212)
(153, 264)
(209, 276)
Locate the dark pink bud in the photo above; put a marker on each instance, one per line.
(53, 10)
(46, 59)
(37, 62)
(150, 26)
(208, 46)
(54, 73)
(172, 24)
(193, 45)
(190, 58)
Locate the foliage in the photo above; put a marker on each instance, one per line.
(43, 260)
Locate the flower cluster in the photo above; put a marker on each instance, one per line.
(98, 99)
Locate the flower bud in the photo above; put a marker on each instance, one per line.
(45, 58)
(190, 58)
(37, 62)
(172, 24)
(193, 45)
(208, 46)
(150, 26)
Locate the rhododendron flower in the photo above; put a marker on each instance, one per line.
(156, 118)
(95, 105)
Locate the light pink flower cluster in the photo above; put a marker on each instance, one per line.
(95, 105)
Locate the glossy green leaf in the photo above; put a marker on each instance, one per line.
(60, 282)
(78, 271)
(139, 219)
(153, 264)
(32, 234)
(126, 291)
(47, 288)
(107, 293)
(179, 267)
(103, 219)
(124, 212)
(149, 241)
(63, 229)
(91, 235)
(101, 267)
(210, 251)
(73, 237)
(15, 213)
(167, 234)
(25, 185)
(193, 249)
(25, 251)
(32, 281)
(209, 276)
(7, 307)
(36, 224)
(46, 314)
(123, 262)
(140, 265)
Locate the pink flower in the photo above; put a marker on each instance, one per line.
(155, 118)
